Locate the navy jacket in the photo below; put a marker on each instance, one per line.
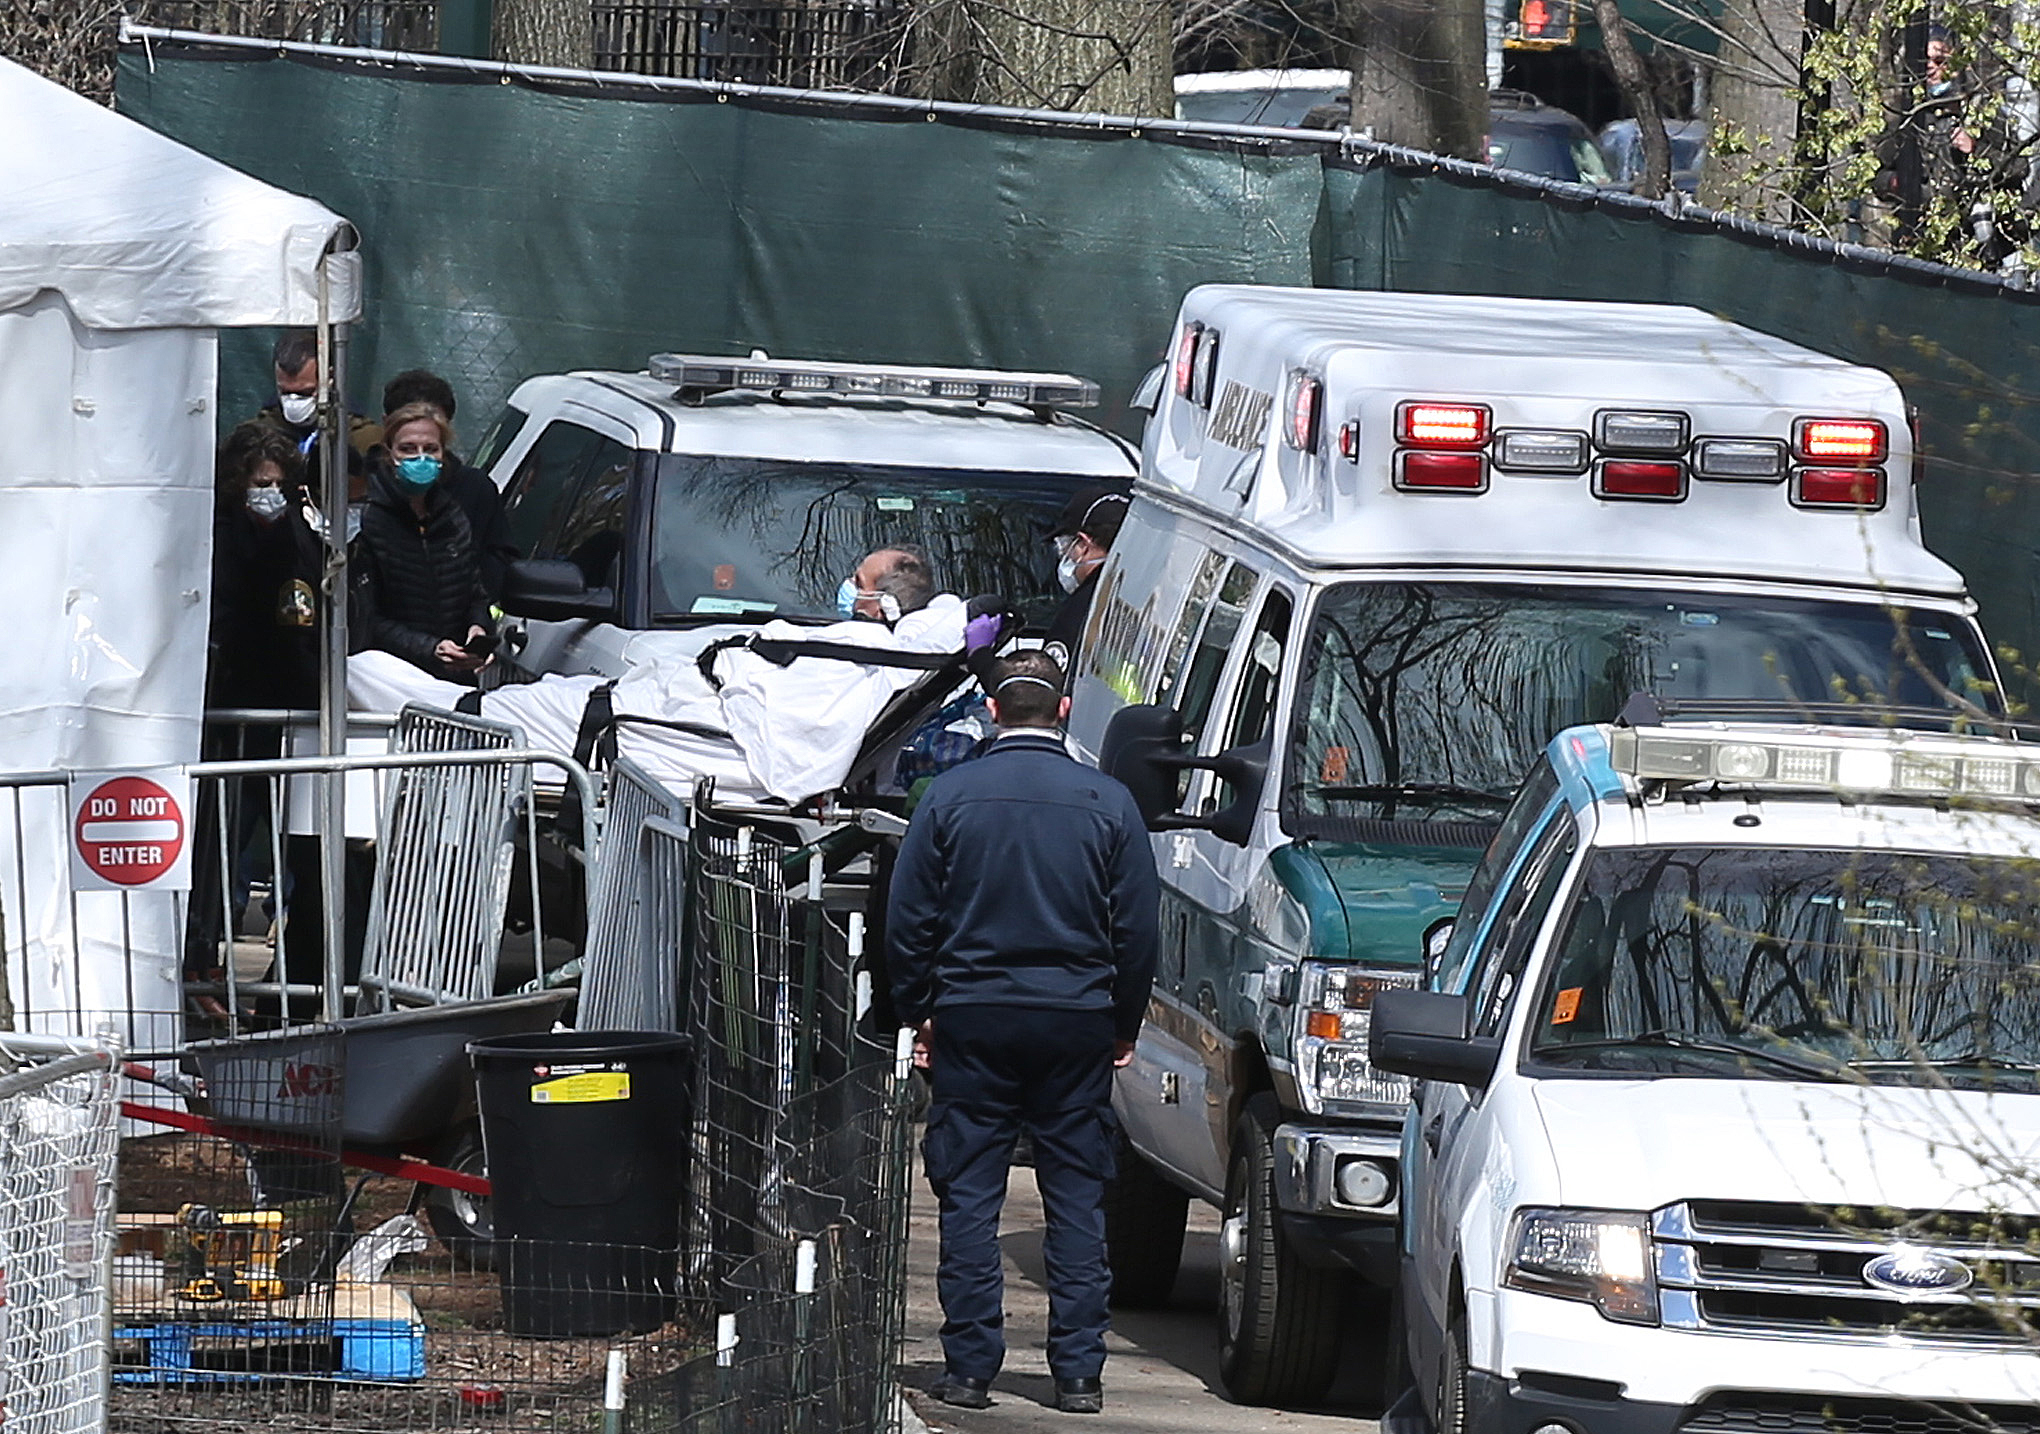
(1025, 879)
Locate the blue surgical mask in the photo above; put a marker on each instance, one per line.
(846, 598)
(267, 502)
(419, 473)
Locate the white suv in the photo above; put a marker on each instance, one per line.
(708, 491)
(1729, 1116)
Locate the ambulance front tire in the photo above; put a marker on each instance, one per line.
(1145, 1217)
(1279, 1319)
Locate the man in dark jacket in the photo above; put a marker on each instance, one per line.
(481, 502)
(295, 412)
(1022, 931)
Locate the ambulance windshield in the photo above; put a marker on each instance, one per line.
(1431, 700)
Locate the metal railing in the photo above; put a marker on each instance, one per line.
(629, 975)
(58, 1142)
(438, 887)
(373, 24)
(445, 850)
(808, 44)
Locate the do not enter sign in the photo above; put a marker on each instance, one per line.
(129, 831)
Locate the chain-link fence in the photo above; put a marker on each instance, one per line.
(795, 1230)
(58, 1132)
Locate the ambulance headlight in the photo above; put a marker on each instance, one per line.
(1334, 1010)
(1603, 1257)
(1626, 431)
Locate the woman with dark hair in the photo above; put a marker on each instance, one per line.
(417, 576)
(262, 651)
(264, 639)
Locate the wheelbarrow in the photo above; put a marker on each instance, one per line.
(407, 1092)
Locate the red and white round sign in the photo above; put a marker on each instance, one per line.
(129, 831)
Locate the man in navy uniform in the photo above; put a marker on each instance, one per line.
(1022, 932)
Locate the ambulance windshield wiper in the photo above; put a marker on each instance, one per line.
(1430, 793)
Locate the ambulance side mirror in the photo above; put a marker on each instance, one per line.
(1143, 748)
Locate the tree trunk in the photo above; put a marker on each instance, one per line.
(1753, 115)
(1420, 73)
(1634, 82)
(545, 32)
(1105, 56)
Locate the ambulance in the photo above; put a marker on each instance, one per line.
(1383, 547)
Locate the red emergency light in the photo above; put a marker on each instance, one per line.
(1839, 488)
(1305, 399)
(1186, 358)
(1449, 472)
(1640, 478)
(1838, 440)
(1442, 425)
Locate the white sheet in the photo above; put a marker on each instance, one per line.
(794, 730)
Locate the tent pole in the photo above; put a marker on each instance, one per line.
(335, 309)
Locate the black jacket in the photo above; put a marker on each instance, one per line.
(1025, 879)
(263, 638)
(417, 580)
(482, 505)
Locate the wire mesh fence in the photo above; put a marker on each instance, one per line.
(57, 1138)
(280, 1264)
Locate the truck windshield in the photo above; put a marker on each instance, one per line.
(1430, 700)
(1798, 965)
(736, 536)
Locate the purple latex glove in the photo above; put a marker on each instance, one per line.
(982, 631)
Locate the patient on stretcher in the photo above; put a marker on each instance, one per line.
(775, 710)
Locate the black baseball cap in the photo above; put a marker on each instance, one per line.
(1097, 509)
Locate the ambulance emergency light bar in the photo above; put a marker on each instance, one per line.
(704, 374)
(1909, 763)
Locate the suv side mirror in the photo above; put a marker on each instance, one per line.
(1424, 1034)
(1143, 748)
(554, 590)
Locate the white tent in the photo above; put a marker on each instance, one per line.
(121, 255)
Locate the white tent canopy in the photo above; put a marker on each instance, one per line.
(121, 253)
(135, 231)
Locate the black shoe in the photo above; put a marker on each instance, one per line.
(964, 1392)
(1080, 1396)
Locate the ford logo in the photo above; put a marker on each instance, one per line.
(1918, 1272)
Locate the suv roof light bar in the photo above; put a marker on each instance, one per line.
(699, 374)
(1649, 709)
(1885, 762)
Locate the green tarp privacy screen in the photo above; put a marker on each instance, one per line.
(514, 225)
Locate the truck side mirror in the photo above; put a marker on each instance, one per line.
(554, 590)
(1425, 1034)
(1143, 748)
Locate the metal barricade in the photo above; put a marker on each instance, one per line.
(630, 971)
(446, 845)
(58, 1141)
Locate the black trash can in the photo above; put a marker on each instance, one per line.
(586, 1138)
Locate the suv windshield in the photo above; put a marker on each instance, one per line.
(1754, 963)
(765, 535)
(1421, 699)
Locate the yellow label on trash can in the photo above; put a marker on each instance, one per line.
(583, 1089)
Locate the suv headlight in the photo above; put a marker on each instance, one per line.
(1334, 1007)
(1601, 1256)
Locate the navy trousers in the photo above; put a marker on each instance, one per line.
(996, 1069)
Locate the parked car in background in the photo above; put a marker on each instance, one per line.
(1529, 136)
(1622, 150)
(1268, 97)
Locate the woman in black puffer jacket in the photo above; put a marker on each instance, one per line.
(417, 576)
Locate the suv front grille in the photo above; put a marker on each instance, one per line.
(1740, 1412)
(1800, 1270)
